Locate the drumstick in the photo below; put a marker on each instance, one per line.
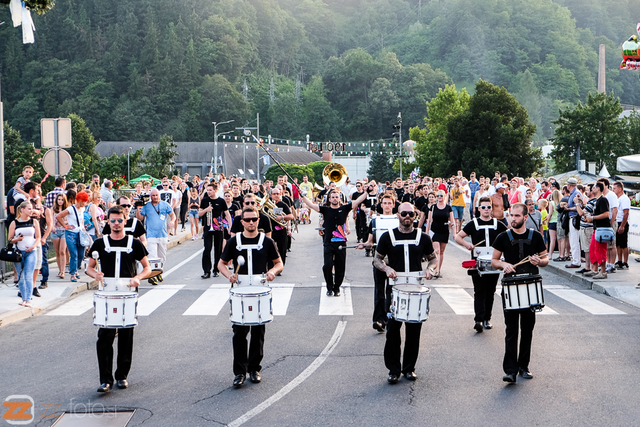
(524, 261)
(240, 264)
(95, 256)
(479, 243)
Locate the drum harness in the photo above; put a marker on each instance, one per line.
(118, 250)
(406, 244)
(249, 249)
(133, 226)
(487, 247)
(520, 242)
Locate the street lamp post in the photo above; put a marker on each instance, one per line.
(215, 144)
(128, 165)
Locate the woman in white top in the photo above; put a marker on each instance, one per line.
(73, 221)
(26, 236)
(57, 236)
(97, 216)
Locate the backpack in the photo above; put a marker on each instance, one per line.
(88, 224)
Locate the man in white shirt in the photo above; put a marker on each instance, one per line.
(492, 188)
(107, 194)
(622, 231)
(613, 214)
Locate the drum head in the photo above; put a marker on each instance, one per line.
(412, 289)
(250, 290)
(115, 295)
(485, 257)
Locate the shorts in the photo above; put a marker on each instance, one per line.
(585, 238)
(440, 237)
(176, 212)
(561, 233)
(553, 226)
(193, 213)
(57, 234)
(597, 251)
(612, 244)
(458, 212)
(622, 239)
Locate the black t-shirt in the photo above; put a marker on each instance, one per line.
(354, 196)
(399, 193)
(185, 197)
(479, 235)
(260, 258)
(288, 200)
(420, 201)
(127, 260)
(219, 207)
(393, 211)
(239, 201)
(264, 224)
(285, 211)
(408, 198)
(439, 219)
(602, 206)
(512, 252)
(396, 253)
(137, 232)
(334, 218)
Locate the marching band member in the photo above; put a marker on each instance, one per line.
(390, 246)
(382, 290)
(482, 230)
(264, 251)
(117, 250)
(279, 233)
(516, 244)
(264, 225)
(212, 210)
(133, 227)
(335, 217)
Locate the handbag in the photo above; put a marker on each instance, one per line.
(10, 253)
(604, 234)
(85, 238)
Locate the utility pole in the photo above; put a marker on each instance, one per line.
(398, 128)
(247, 132)
(215, 144)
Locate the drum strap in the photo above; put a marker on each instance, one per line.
(108, 249)
(249, 249)
(486, 229)
(521, 242)
(406, 244)
(133, 226)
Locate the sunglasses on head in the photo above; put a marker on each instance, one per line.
(252, 219)
(118, 220)
(410, 214)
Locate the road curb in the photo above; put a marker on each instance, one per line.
(18, 314)
(583, 281)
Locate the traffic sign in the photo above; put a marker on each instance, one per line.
(64, 162)
(48, 133)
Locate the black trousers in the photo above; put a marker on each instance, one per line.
(381, 301)
(212, 239)
(281, 239)
(104, 347)
(484, 287)
(334, 257)
(524, 320)
(241, 363)
(411, 347)
(184, 209)
(362, 231)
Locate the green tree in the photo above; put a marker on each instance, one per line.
(317, 168)
(296, 171)
(494, 133)
(596, 129)
(379, 167)
(158, 161)
(17, 155)
(82, 140)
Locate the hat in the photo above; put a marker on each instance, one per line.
(500, 185)
(572, 181)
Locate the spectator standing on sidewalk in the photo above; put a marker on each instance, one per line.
(599, 218)
(622, 227)
(73, 220)
(586, 228)
(45, 220)
(613, 215)
(155, 212)
(574, 233)
(25, 236)
(60, 183)
(60, 204)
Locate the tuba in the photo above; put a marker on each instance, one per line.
(266, 206)
(334, 172)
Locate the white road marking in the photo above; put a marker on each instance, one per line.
(75, 307)
(153, 299)
(585, 302)
(167, 273)
(210, 302)
(458, 299)
(333, 343)
(281, 296)
(336, 306)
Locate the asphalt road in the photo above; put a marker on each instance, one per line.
(328, 370)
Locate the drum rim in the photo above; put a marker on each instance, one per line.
(427, 289)
(115, 295)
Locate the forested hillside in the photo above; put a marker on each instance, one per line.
(333, 69)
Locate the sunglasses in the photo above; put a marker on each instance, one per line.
(410, 214)
(126, 206)
(253, 219)
(118, 220)
(439, 195)
(484, 207)
(249, 203)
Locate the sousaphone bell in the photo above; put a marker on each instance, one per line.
(334, 172)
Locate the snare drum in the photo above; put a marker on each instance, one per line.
(115, 309)
(410, 303)
(250, 305)
(522, 291)
(254, 280)
(156, 267)
(484, 265)
(111, 284)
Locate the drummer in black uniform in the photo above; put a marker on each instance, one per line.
(515, 245)
(483, 232)
(264, 225)
(260, 257)
(133, 227)
(404, 232)
(108, 261)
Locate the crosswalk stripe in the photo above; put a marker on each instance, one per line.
(210, 302)
(74, 307)
(458, 299)
(153, 299)
(585, 302)
(336, 306)
(281, 295)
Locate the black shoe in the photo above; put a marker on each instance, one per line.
(19, 294)
(105, 388)
(279, 274)
(526, 374)
(478, 327)
(378, 326)
(411, 376)
(393, 379)
(367, 253)
(36, 293)
(152, 281)
(239, 380)
(43, 285)
(216, 274)
(509, 378)
(487, 324)
(255, 377)
(206, 275)
(122, 383)
(582, 271)
(336, 293)
(329, 293)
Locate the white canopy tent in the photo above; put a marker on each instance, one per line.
(629, 163)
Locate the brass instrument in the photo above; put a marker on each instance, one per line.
(334, 172)
(266, 206)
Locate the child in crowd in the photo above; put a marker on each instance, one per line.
(27, 173)
(542, 206)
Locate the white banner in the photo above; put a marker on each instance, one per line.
(634, 229)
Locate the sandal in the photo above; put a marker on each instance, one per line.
(21, 303)
(27, 304)
(74, 278)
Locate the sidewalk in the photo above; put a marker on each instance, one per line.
(620, 285)
(58, 291)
